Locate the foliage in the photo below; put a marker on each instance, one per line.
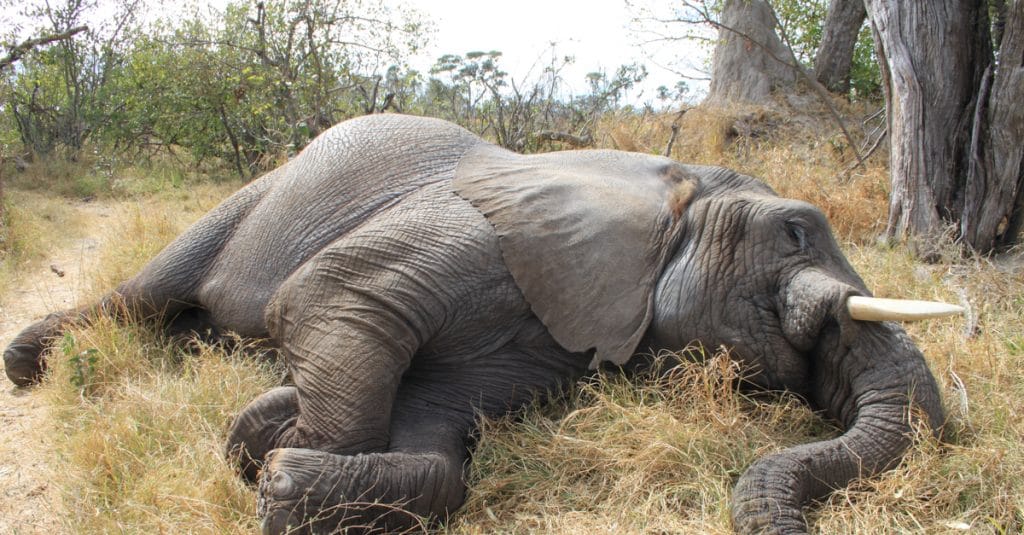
(865, 77)
(474, 91)
(803, 21)
(263, 78)
(66, 93)
(82, 364)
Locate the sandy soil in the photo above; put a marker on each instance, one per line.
(27, 497)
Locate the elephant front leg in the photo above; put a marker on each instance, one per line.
(258, 429)
(421, 476)
(346, 350)
(313, 491)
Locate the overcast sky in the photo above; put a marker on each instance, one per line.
(596, 32)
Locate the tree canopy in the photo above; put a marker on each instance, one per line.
(255, 81)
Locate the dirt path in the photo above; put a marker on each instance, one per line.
(27, 498)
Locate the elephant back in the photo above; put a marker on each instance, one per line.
(344, 177)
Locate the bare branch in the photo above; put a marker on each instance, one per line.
(675, 131)
(19, 51)
(823, 93)
(565, 137)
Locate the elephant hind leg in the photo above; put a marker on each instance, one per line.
(421, 475)
(259, 426)
(24, 360)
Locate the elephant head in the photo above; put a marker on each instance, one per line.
(617, 253)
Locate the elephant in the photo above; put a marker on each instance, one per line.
(413, 277)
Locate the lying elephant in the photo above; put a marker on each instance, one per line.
(413, 277)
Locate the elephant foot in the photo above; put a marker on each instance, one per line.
(310, 491)
(259, 428)
(24, 363)
(23, 358)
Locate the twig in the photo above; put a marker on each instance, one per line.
(874, 146)
(675, 131)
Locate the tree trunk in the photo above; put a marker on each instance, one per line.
(933, 55)
(994, 204)
(750, 60)
(838, 38)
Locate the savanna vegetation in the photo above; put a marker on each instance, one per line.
(162, 118)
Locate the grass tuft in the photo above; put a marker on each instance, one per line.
(629, 454)
(141, 428)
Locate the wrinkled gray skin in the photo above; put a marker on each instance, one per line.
(413, 276)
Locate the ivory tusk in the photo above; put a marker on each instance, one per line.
(876, 309)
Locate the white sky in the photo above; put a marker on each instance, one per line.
(595, 32)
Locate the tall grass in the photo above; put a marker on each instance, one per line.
(94, 174)
(140, 425)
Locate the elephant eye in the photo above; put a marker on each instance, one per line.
(797, 234)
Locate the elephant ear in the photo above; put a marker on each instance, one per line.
(585, 235)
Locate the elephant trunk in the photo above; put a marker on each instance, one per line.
(875, 382)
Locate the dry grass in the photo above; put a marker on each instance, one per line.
(657, 453)
(141, 427)
(33, 224)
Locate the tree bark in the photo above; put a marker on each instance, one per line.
(750, 61)
(838, 38)
(994, 204)
(933, 55)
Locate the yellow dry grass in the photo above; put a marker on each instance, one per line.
(140, 427)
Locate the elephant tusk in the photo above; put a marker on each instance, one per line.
(876, 309)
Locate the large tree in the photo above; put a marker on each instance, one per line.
(750, 61)
(956, 123)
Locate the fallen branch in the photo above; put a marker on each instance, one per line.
(874, 146)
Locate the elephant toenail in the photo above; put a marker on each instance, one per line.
(281, 484)
(277, 522)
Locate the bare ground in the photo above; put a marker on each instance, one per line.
(27, 497)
